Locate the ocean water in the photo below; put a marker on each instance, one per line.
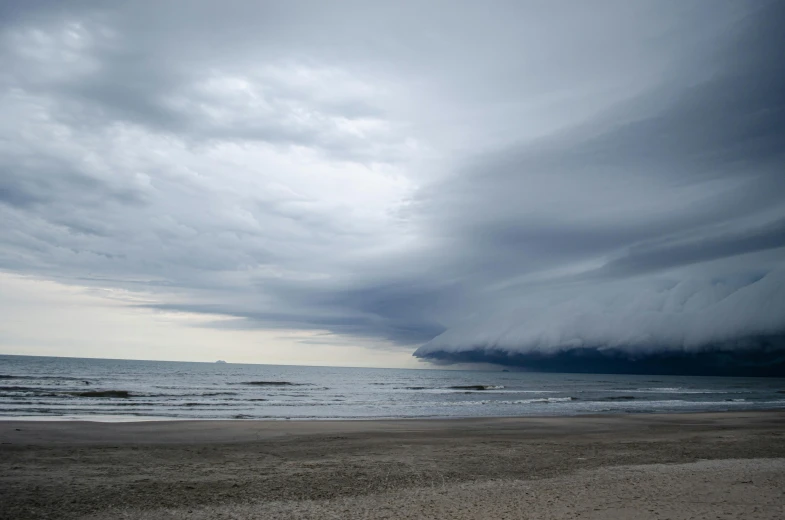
(104, 389)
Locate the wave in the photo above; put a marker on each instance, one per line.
(272, 383)
(471, 389)
(138, 403)
(298, 403)
(209, 405)
(618, 398)
(548, 400)
(638, 405)
(539, 400)
(47, 392)
(22, 411)
(61, 378)
(677, 403)
(123, 394)
(476, 387)
(22, 389)
(677, 390)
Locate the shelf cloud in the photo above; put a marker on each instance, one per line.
(553, 187)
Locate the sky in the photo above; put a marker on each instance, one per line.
(395, 184)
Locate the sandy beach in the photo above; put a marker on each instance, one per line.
(677, 466)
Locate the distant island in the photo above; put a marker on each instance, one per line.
(220, 361)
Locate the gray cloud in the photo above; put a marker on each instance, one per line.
(476, 180)
(645, 259)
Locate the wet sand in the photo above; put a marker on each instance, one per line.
(711, 465)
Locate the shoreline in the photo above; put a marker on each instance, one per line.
(125, 419)
(240, 430)
(417, 468)
(217, 431)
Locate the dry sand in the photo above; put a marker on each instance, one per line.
(720, 465)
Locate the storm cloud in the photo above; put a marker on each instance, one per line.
(565, 186)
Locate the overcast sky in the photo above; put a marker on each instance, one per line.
(348, 182)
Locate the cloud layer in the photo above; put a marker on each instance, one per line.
(513, 184)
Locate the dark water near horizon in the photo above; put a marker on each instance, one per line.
(105, 389)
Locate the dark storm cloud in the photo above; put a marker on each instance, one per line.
(729, 127)
(720, 138)
(765, 358)
(404, 330)
(646, 259)
(522, 180)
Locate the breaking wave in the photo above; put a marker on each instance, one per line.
(272, 383)
(476, 387)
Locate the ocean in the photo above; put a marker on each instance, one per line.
(123, 390)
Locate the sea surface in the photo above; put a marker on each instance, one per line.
(117, 390)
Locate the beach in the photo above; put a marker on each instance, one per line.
(703, 465)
